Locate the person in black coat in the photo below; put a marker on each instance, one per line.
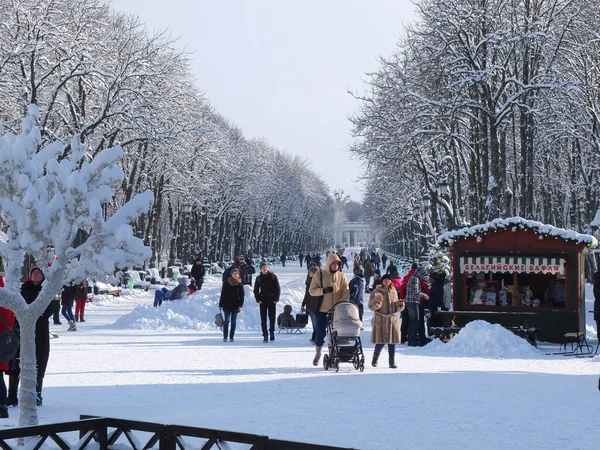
(310, 303)
(266, 292)
(67, 299)
(247, 270)
(231, 302)
(197, 273)
(234, 265)
(436, 297)
(30, 290)
(597, 300)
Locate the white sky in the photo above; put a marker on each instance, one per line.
(281, 69)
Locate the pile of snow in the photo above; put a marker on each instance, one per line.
(197, 311)
(487, 340)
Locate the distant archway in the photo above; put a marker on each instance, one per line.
(355, 234)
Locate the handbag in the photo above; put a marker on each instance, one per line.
(301, 319)
(314, 303)
(9, 343)
(219, 321)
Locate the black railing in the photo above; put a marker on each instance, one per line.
(104, 433)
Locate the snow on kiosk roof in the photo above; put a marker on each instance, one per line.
(520, 273)
(516, 223)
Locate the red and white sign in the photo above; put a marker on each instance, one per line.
(512, 264)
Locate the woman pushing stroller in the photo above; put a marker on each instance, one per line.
(333, 286)
(386, 328)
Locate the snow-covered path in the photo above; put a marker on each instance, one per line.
(154, 366)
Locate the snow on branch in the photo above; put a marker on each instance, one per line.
(52, 204)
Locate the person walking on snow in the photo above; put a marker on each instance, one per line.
(402, 296)
(197, 273)
(5, 325)
(369, 272)
(266, 292)
(301, 258)
(333, 286)
(30, 290)
(384, 259)
(80, 300)
(356, 287)
(67, 298)
(386, 330)
(231, 302)
(310, 303)
(283, 257)
(414, 297)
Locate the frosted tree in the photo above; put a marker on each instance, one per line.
(51, 200)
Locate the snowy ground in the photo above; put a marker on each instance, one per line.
(486, 390)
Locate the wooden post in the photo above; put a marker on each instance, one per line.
(515, 290)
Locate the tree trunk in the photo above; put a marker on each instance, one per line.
(27, 391)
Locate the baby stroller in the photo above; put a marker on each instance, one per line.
(343, 341)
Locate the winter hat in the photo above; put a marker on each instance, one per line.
(263, 263)
(314, 269)
(378, 272)
(360, 273)
(386, 277)
(34, 268)
(235, 269)
(414, 266)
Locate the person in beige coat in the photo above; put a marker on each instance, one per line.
(333, 286)
(386, 327)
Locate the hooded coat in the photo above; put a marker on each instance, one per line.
(337, 280)
(386, 326)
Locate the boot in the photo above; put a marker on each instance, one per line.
(265, 339)
(317, 356)
(3, 412)
(81, 318)
(375, 359)
(72, 326)
(392, 356)
(12, 400)
(76, 317)
(272, 335)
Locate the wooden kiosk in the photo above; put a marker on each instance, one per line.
(521, 274)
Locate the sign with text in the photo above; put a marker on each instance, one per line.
(512, 264)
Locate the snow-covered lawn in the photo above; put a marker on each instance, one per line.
(487, 389)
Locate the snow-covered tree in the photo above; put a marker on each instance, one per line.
(52, 205)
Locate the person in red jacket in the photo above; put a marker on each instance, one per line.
(404, 316)
(9, 317)
(80, 300)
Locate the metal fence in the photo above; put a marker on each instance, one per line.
(102, 432)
